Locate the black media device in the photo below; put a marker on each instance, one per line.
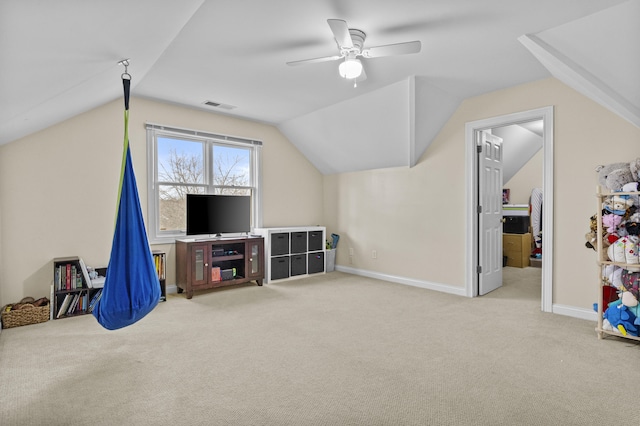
(515, 224)
(218, 214)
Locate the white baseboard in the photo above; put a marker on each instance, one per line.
(572, 311)
(459, 291)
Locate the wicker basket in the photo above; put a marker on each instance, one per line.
(28, 314)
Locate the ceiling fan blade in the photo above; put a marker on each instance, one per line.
(314, 60)
(392, 49)
(341, 33)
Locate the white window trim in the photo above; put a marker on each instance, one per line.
(153, 130)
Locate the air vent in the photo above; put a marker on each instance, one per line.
(218, 105)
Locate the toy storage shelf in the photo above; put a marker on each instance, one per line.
(604, 261)
(293, 252)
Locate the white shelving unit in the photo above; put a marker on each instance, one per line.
(293, 252)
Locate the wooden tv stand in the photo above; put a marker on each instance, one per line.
(218, 262)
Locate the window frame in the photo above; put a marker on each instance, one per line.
(209, 140)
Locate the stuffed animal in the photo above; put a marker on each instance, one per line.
(635, 310)
(615, 175)
(617, 204)
(630, 287)
(632, 225)
(592, 236)
(612, 276)
(611, 221)
(633, 187)
(622, 319)
(625, 250)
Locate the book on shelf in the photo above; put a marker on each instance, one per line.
(94, 300)
(72, 305)
(52, 300)
(61, 277)
(68, 277)
(159, 259)
(85, 272)
(65, 305)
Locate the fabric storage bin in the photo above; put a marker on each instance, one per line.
(316, 240)
(316, 262)
(298, 264)
(279, 268)
(279, 244)
(298, 242)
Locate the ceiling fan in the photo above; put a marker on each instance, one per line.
(350, 43)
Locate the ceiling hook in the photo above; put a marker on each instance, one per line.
(125, 74)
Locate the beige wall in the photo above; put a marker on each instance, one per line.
(58, 187)
(527, 178)
(415, 217)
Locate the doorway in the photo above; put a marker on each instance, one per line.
(473, 252)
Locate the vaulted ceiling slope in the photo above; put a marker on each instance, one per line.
(60, 59)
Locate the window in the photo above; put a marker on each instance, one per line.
(184, 162)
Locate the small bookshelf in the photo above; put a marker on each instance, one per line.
(72, 292)
(160, 260)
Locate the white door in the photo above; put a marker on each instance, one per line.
(489, 212)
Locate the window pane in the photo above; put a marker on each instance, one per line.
(180, 161)
(172, 205)
(232, 166)
(232, 191)
(194, 163)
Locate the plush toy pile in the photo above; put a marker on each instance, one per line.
(621, 239)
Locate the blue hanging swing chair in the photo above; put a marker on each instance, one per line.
(131, 289)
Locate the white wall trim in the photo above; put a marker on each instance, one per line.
(578, 78)
(443, 288)
(471, 252)
(569, 311)
(572, 311)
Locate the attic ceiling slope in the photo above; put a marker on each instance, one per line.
(603, 65)
(60, 57)
(363, 133)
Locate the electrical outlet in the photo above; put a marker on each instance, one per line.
(374, 254)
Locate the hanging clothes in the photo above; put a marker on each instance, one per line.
(536, 216)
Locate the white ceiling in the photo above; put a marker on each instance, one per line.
(59, 58)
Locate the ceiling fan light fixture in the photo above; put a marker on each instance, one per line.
(350, 68)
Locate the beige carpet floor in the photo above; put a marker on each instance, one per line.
(334, 349)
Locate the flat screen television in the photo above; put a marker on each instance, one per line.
(218, 214)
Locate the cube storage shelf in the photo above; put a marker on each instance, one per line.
(293, 252)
